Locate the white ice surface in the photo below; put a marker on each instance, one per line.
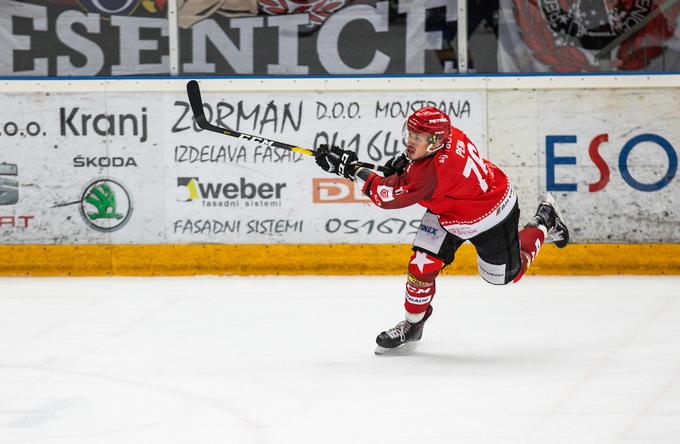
(290, 360)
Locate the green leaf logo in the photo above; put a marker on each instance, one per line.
(105, 205)
(103, 199)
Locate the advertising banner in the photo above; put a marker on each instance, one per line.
(227, 37)
(119, 167)
(81, 168)
(123, 167)
(229, 190)
(317, 37)
(613, 159)
(588, 36)
(83, 37)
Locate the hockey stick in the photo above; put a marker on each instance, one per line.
(196, 102)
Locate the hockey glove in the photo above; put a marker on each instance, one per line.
(336, 160)
(396, 165)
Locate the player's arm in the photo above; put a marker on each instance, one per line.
(394, 191)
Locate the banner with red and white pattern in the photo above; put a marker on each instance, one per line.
(588, 36)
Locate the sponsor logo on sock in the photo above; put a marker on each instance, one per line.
(418, 301)
(413, 280)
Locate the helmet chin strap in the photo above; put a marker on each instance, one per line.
(431, 147)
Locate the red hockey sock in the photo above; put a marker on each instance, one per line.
(423, 268)
(530, 241)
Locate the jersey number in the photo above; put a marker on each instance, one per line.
(474, 164)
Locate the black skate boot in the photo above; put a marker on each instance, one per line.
(549, 216)
(403, 333)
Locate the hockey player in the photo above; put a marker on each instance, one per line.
(467, 198)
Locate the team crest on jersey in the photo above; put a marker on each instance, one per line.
(386, 193)
(562, 33)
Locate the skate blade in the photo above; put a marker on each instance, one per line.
(402, 349)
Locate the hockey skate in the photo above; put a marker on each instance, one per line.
(402, 337)
(548, 215)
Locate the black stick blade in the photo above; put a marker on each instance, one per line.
(196, 102)
(194, 93)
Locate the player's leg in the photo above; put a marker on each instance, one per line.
(433, 249)
(504, 254)
(548, 224)
(549, 219)
(499, 258)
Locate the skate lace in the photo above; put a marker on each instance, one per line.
(555, 234)
(399, 330)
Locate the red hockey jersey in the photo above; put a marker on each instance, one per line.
(468, 194)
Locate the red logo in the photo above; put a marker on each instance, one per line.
(336, 191)
(15, 221)
(386, 193)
